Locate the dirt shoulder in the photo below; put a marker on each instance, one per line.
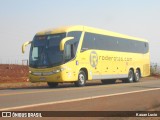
(13, 73)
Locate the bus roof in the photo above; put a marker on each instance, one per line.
(61, 30)
(87, 29)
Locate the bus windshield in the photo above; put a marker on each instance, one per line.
(45, 51)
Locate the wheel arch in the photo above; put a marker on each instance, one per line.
(132, 69)
(86, 72)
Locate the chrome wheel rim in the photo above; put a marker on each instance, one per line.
(81, 79)
(137, 76)
(130, 76)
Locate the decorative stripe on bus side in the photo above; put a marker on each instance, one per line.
(110, 76)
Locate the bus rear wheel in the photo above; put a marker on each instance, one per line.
(81, 79)
(137, 76)
(52, 84)
(130, 78)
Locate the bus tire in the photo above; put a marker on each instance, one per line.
(111, 81)
(52, 84)
(81, 79)
(137, 76)
(130, 78)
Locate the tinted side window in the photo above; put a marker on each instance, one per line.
(88, 41)
(103, 42)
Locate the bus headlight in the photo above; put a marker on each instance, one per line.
(58, 70)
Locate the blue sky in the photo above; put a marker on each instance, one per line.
(21, 19)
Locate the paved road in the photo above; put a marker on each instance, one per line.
(32, 97)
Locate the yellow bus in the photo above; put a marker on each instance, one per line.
(80, 53)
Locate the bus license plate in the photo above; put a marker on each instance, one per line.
(42, 78)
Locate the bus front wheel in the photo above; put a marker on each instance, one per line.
(81, 79)
(52, 84)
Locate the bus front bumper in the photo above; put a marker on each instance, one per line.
(58, 77)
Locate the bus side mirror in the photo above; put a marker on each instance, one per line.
(24, 46)
(62, 43)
